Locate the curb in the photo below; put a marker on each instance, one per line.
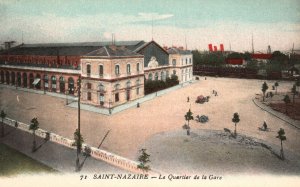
(274, 114)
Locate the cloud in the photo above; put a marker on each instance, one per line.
(153, 16)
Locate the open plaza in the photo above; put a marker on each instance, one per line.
(157, 126)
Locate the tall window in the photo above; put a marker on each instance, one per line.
(89, 85)
(150, 76)
(88, 69)
(174, 62)
(117, 69)
(101, 99)
(190, 60)
(117, 87)
(53, 83)
(100, 70)
(186, 61)
(138, 67)
(89, 96)
(128, 68)
(101, 87)
(128, 84)
(156, 76)
(117, 97)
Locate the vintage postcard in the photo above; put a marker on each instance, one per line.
(143, 93)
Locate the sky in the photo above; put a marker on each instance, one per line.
(191, 23)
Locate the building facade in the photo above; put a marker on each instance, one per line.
(110, 75)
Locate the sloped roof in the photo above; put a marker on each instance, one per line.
(65, 49)
(142, 46)
(261, 56)
(178, 51)
(112, 51)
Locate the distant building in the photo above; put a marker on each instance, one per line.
(181, 62)
(261, 57)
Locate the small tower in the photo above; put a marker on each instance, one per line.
(269, 49)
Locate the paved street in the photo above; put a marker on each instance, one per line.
(130, 129)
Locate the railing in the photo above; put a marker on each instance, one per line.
(96, 153)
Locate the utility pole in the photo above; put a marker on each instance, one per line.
(79, 134)
(252, 45)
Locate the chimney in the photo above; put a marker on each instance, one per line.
(215, 48)
(222, 47)
(210, 48)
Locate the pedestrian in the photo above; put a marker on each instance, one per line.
(188, 99)
(205, 78)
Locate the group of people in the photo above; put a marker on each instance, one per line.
(215, 93)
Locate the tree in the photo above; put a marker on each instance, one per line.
(264, 89)
(34, 125)
(144, 159)
(188, 116)
(282, 137)
(3, 115)
(276, 85)
(235, 120)
(294, 92)
(78, 139)
(286, 100)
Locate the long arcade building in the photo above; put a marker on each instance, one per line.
(111, 74)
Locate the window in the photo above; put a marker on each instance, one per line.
(150, 76)
(53, 81)
(89, 96)
(101, 87)
(101, 99)
(190, 60)
(89, 85)
(186, 61)
(174, 72)
(138, 82)
(117, 86)
(137, 91)
(128, 68)
(117, 97)
(156, 76)
(128, 85)
(174, 62)
(117, 69)
(101, 70)
(88, 69)
(138, 67)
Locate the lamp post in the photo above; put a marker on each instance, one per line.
(109, 104)
(77, 169)
(44, 83)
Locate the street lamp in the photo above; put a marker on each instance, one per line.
(109, 104)
(77, 169)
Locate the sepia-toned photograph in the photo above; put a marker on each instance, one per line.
(144, 93)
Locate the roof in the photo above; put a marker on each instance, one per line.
(178, 51)
(235, 61)
(65, 49)
(142, 46)
(261, 56)
(112, 51)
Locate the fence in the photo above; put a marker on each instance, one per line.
(96, 153)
